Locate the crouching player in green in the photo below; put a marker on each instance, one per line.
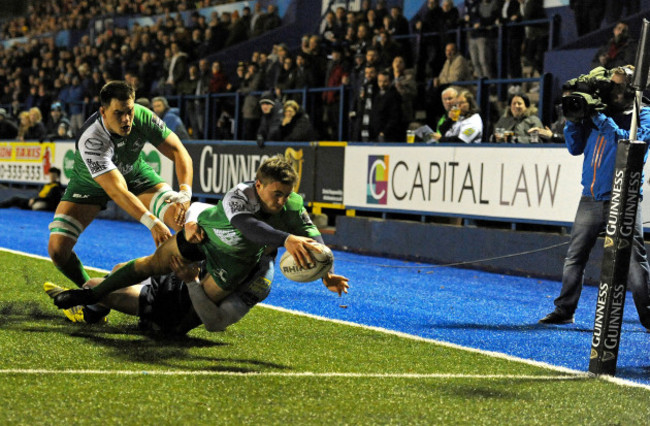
(231, 237)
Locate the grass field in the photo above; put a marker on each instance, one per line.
(274, 367)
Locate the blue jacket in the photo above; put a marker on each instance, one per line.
(596, 139)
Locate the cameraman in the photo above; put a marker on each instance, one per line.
(599, 113)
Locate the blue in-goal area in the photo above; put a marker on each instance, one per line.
(471, 308)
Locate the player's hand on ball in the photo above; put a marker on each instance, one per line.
(299, 248)
(336, 283)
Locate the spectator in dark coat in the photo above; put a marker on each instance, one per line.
(271, 119)
(618, 51)
(295, 126)
(386, 119)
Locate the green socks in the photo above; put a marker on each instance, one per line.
(74, 270)
(123, 277)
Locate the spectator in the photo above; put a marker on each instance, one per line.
(75, 104)
(36, 129)
(511, 13)
(295, 126)
(362, 109)
(336, 72)
(196, 108)
(455, 68)
(8, 129)
(287, 77)
(48, 196)
(170, 116)
(618, 51)
(445, 122)
(450, 18)
(468, 127)
(58, 126)
(536, 40)
(405, 84)
(519, 117)
(218, 79)
(250, 110)
(482, 17)
(589, 14)
(387, 119)
(303, 77)
(401, 28)
(271, 118)
(256, 25)
(430, 51)
(237, 31)
(177, 69)
(388, 49)
(271, 20)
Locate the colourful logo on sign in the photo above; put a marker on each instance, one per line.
(68, 163)
(377, 188)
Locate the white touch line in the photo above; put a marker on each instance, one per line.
(616, 380)
(18, 371)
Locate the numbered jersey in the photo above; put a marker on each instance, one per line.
(98, 151)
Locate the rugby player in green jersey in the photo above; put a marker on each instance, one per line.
(108, 164)
(231, 237)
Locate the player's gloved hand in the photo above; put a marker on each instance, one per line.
(183, 196)
(336, 283)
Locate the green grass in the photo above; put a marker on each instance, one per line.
(271, 368)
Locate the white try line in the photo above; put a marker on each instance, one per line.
(527, 377)
(568, 371)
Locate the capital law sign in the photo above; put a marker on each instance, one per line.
(528, 183)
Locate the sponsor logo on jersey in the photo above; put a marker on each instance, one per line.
(95, 166)
(222, 274)
(93, 144)
(125, 169)
(229, 237)
(305, 218)
(76, 195)
(137, 145)
(157, 122)
(120, 144)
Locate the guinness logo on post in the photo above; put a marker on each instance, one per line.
(296, 159)
(609, 242)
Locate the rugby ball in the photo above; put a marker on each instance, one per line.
(323, 263)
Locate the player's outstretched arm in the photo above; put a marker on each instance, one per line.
(336, 283)
(115, 186)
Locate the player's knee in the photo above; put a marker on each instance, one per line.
(58, 253)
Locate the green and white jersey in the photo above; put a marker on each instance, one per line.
(98, 151)
(230, 255)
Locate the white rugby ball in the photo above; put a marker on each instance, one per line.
(323, 263)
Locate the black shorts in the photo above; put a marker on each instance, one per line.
(165, 302)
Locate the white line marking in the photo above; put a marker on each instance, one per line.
(297, 374)
(577, 373)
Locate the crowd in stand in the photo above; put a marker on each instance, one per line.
(393, 81)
